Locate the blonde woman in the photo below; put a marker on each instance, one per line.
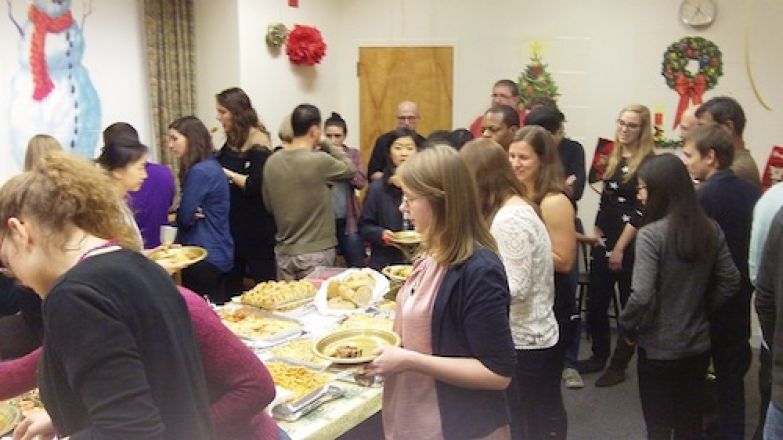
(63, 235)
(39, 146)
(458, 357)
(537, 409)
(619, 215)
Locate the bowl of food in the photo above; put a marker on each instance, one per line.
(406, 237)
(177, 257)
(398, 272)
(354, 346)
(10, 416)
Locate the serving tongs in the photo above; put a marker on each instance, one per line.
(292, 412)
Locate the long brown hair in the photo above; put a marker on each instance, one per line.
(243, 116)
(62, 191)
(39, 146)
(646, 144)
(457, 228)
(199, 143)
(550, 178)
(495, 179)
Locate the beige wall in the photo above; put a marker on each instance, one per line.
(604, 54)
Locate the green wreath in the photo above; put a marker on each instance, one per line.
(679, 53)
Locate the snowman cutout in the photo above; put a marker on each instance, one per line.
(51, 92)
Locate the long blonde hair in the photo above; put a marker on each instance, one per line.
(646, 144)
(39, 146)
(63, 191)
(458, 227)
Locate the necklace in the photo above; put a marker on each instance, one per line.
(90, 251)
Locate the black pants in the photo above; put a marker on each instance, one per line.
(535, 397)
(564, 306)
(259, 269)
(731, 357)
(672, 396)
(765, 390)
(599, 297)
(205, 279)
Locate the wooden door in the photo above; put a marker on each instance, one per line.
(390, 75)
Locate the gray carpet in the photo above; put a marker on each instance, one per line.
(602, 413)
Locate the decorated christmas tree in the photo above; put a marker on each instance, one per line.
(536, 80)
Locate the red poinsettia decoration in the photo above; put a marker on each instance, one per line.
(305, 46)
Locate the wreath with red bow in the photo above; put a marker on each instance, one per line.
(691, 86)
(305, 46)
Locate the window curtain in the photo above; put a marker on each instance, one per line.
(170, 66)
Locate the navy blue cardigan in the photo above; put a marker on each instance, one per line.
(470, 319)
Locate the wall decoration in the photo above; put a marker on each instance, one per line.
(276, 34)
(773, 172)
(536, 80)
(51, 92)
(305, 45)
(603, 149)
(748, 65)
(660, 139)
(688, 85)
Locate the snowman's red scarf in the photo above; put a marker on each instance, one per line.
(43, 24)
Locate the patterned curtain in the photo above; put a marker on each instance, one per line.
(170, 65)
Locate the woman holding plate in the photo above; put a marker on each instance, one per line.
(452, 314)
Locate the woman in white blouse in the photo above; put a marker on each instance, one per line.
(526, 251)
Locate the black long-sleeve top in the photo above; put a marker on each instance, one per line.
(120, 359)
(252, 226)
(769, 302)
(572, 155)
(381, 211)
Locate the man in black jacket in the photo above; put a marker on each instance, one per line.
(729, 200)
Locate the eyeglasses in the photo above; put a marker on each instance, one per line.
(407, 118)
(628, 125)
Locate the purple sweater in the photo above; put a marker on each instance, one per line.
(151, 203)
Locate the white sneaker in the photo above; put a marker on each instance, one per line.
(572, 379)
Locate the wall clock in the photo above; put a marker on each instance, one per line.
(698, 13)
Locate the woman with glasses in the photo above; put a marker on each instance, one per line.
(683, 271)
(381, 214)
(448, 379)
(619, 214)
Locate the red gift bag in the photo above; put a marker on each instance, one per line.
(773, 172)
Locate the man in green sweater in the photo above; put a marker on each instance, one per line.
(296, 192)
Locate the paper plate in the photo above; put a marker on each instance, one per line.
(10, 416)
(367, 340)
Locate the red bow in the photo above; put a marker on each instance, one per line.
(43, 24)
(690, 90)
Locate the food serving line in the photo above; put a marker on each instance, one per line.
(316, 352)
(315, 336)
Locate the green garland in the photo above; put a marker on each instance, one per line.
(677, 55)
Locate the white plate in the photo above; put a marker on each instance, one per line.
(381, 287)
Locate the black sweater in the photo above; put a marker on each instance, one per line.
(252, 226)
(381, 211)
(120, 360)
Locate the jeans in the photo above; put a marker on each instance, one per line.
(672, 395)
(535, 398)
(773, 428)
(350, 246)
